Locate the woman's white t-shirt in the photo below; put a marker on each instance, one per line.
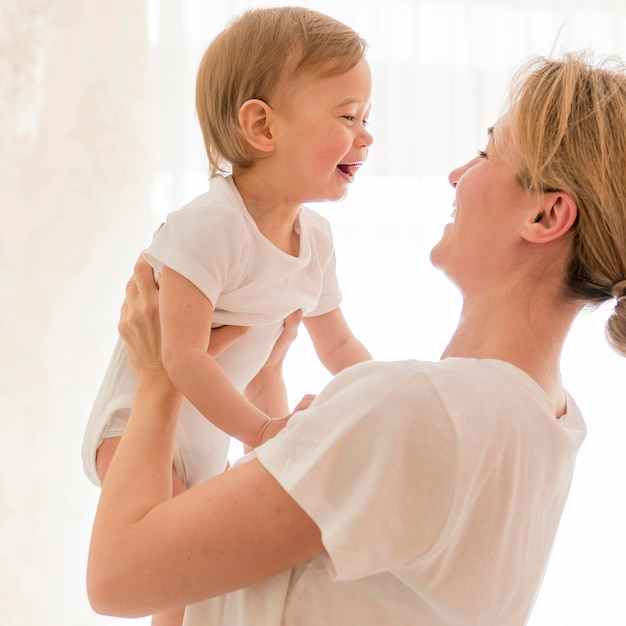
(438, 489)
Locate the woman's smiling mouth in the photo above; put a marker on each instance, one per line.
(349, 169)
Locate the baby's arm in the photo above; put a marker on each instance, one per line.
(186, 316)
(336, 346)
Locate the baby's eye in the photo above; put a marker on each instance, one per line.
(350, 118)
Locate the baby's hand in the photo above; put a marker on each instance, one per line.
(272, 427)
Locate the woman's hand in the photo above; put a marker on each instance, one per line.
(267, 389)
(139, 324)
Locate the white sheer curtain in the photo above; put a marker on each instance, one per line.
(98, 141)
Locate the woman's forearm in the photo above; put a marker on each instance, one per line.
(236, 529)
(147, 447)
(138, 479)
(267, 389)
(267, 392)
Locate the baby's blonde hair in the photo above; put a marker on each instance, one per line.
(248, 59)
(568, 133)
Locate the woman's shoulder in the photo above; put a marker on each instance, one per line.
(398, 389)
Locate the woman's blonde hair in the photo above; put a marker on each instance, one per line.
(257, 51)
(568, 133)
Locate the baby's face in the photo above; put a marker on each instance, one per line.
(319, 126)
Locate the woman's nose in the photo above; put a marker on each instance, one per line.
(455, 174)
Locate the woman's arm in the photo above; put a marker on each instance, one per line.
(104, 456)
(149, 555)
(186, 316)
(150, 552)
(335, 345)
(267, 389)
(221, 338)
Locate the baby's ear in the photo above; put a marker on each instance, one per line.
(554, 216)
(255, 117)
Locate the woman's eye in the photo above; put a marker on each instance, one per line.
(482, 154)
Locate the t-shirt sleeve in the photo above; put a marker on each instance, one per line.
(203, 246)
(372, 462)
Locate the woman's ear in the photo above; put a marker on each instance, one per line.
(553, 218)
(255, 117)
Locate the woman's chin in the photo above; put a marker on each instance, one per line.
(437, 252)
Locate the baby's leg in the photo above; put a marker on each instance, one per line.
(171, 618)
(104, 456)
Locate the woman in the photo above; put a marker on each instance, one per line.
(408, 492)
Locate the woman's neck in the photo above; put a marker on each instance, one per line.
(529, 336)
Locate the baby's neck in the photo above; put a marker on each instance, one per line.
(276, 217)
